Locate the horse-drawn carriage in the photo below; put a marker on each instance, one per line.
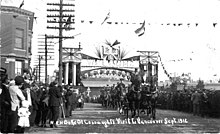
(142, 94)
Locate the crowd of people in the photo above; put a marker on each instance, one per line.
(199, 102)
(26, 104)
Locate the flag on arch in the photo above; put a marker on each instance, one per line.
(141, 30)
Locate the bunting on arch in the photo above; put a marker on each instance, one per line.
(165, 71)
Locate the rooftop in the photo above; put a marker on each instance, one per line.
(11, 9)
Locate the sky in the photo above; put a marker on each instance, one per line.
(198, 42)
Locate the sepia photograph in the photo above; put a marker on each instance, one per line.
(109, 66)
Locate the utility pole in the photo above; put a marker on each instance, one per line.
(0, 42)
(46, 51)
(46, 58)
(61, 21)
(60, 43)
(39, 66)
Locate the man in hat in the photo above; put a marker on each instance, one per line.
(69, 101)
(196, 98)
(26, 73)
(136, 79)
(121, 83)
(54, 102)
(16, 98)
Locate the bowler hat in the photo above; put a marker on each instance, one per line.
(19, 80)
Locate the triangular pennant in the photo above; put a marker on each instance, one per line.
(214, 24)
(115, 43)
(188, 24)
(35, 18)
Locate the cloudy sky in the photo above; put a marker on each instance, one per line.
(179, 29)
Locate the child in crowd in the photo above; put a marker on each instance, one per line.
(23, 114)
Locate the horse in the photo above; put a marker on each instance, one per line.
(102, 97)
(115, 98)
(154, 103)
(134, 100)
(142, 99)
(148, 100)
(110, 99)
(107, 98)
(122, 101)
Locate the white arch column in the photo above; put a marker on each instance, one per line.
(74, 73)
(66, 78)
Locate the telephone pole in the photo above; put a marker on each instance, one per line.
(46, 58)
(46, 51)
(39, 66)
(63, 24)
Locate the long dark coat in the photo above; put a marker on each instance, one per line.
(55, 96)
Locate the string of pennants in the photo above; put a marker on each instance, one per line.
(165, 71)
(178, 60)
(209, 47)
(135, 23)
(109, 22)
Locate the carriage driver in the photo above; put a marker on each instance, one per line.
(136, 79)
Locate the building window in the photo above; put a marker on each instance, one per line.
(18, 67)
(29, 44)
(19, 38)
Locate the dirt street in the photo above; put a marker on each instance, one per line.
(95, 119)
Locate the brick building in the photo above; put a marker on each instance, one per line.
(16, 35)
